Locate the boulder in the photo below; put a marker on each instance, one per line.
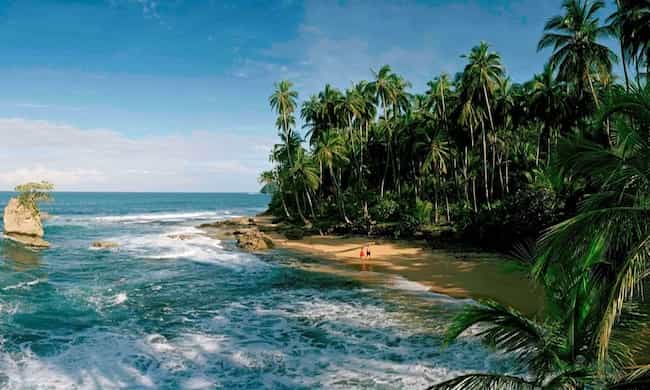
(23, 224)
(27, 240)
(181, 237)
(104, 244)
(254, 240)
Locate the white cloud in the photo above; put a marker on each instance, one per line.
(104, 160)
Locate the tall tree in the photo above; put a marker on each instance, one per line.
(574, 38)
(283, 101)
(631, 24)
(480, 78)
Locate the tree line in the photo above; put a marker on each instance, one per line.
(563, 158)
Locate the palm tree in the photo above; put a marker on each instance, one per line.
(631, 24)
(609, 239)
(311, 114)
(556, 353)
(437, 157)
(283, 101)
(547, 104)
(390, 91)
(271, 178)
(331, 152)
(305, 175)
(480, 78)
(438, 94)
(574, 38)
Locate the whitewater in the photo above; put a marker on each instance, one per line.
(159, 312)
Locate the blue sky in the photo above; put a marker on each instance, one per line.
(171, 95)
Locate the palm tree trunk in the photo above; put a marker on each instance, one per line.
(447, 207)
(474, 194)
(339, 199)
(284, 206)
(623, 59)
(507, 175)
(435, 202)
(311, 206)
(593, 91)
(500, 165)
(487, 103)
(493, 173)
(539, 145)
(466, 177)
(302, 215)
(485, 168)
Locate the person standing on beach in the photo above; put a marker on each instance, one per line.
(362, 253)
(368, 251)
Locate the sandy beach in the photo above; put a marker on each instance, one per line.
(459, 274)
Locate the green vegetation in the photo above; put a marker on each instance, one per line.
(30, 194)
(563, 159)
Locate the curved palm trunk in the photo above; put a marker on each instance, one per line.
(593, 91)
(339, 198)
(299, 207)
(485, 168)
(623, 59)
(284, 203)
(466, 176)
(447, 207)
(311, 206)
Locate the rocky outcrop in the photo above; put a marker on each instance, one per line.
(23, 224)
(104, 245)
(182, 237)
(244, 230)
(233, 223)
(253, 240)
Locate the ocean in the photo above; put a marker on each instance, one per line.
(162, 313)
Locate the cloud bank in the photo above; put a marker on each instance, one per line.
(104, 160)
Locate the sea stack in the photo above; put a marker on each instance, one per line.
(23, 224)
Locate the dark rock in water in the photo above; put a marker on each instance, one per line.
(23, 224)
(104, 244)
(230, 223)
(253, 240)
(27, 240)
(181, 237)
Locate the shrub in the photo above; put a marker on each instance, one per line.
(386, 209)
(423, 211)
(30, 194)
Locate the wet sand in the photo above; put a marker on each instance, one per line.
(456, 274)
(459, 274)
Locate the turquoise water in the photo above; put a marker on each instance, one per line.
(158, 312)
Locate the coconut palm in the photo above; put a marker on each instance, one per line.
(547, 102)
(438, 95)
(556, 350)
(631, 24)
(305, 176)
(610, 237)
(480, 78)
(574, 38)
(283, 101)
(331, 152)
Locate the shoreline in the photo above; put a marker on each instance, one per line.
(458, 274)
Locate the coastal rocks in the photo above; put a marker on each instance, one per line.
(253, 240)
(181, 237)
(230, 223)
(244, 230)
(104, 245)
(22, 224)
